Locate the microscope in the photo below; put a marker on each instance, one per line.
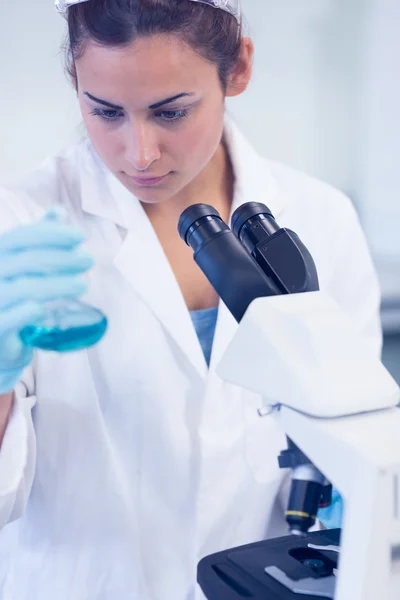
(335, 401)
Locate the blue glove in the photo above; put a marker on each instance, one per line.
(38, 264)
(332, 516)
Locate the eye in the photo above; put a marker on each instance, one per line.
(172, 116)
(107, 114)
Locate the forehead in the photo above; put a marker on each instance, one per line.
(144, 71)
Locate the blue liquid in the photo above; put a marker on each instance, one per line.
(64, 340)
(68, 326)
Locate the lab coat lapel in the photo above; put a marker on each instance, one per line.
(254, 181)
(142, 261)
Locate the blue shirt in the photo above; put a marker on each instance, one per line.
(205, 322)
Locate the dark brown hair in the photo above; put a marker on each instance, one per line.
(213, 33)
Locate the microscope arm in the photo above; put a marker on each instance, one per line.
(338, 404)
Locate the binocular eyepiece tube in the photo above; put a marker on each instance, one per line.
(229, 267)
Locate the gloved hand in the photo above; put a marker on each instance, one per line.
(38, 263)
(332, 516)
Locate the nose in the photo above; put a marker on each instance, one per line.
(142, 148)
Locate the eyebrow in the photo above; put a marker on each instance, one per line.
(169, 100)
(104, 102)
(152, 107)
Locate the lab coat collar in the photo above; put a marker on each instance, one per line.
(96, 184)
(254, 181)
(141, 259)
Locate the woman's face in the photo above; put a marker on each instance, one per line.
(154, 112)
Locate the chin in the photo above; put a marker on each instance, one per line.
(152, 194)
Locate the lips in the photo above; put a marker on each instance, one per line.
(147, 181)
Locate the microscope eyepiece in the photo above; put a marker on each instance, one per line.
(278, 250)
(253, 223)
(199, 215)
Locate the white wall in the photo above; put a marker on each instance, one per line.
(324, 98)
(38, 112)
(379, 147)
(299, 107)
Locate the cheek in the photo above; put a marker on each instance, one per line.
(103, 138)
(199, 141)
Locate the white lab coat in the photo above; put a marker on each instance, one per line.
(142, 461)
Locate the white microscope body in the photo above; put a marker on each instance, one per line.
(336, 401)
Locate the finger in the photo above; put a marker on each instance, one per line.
(43, 234)
(40, 289)
(44, 262)
(20, 316)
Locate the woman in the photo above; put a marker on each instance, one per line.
(121, 466)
